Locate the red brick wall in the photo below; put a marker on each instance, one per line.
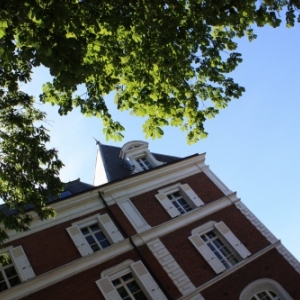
(155, 214)
(82, 286)
(51, 247)
(192, 262)
(271, 265)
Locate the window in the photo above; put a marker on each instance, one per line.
(94, 234)
(178, 199)
(137, 154)
(8, 276)
(218, 246)
(128, 288)
(144, 163)
(220, 250)
(265, 295)
(15, 270)
(129, 281)
(95, 237)
(264, 289)
(179, 202)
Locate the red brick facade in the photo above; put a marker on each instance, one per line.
(52, 249)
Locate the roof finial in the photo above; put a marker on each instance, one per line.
(97, 142)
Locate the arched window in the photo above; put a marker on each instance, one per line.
(264, 289)
(265, 295)
(138, 156)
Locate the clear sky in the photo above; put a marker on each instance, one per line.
(253, 145)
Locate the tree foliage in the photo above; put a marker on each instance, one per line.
(168, 61)
(28, 170)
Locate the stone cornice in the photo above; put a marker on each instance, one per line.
(47, 279)
(152, 179)
(231, 270)
(84, 263)
(183, 220)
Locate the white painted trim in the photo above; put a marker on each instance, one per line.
(139, 149)
(204, 228)
(256, 222)
(133, 216)
(181, 221)
(110, 272)
(84, 263)
(216, 180)
(268, 235)
(47, 279)
(261, 285)
(132, 147)
(170, 189)
(289, 257)
(147, 181)
(141, 275)
(231, 270)
(172, 268)
(66, 210)
(6, 249)
(87, 202)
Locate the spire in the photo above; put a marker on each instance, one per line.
(100, 176)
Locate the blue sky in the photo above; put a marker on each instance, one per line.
(253, 145)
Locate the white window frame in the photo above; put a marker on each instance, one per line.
(144, 166)
(20, 262)
(107, 226)
(140, 274)
(134, 150)
(144, 154)
(226, 236)
(187, 193)
(262, 285)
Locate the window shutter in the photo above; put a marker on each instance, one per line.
(21, 263)
(167, 205)
(79, 241)
(134, 216)
(107, 289)
(147, 281)
(232, 239)
(186, 189)
(110, 228)
(207, 254)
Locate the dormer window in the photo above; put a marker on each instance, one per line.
(139, 156)
(144, 163)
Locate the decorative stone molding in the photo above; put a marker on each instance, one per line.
(256, 222)
(172, 268)
(289, 257)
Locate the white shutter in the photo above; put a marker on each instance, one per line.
(21, 263)
(232, 239)
(147, 281)
(207, 254)
(134, 216)
(167, 205)
(79, 241)
(110, 228)
(186, 189)
(107, 289)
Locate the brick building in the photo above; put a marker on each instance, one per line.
(151, 227)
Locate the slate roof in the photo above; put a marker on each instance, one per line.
(71, 188)
(116, 168)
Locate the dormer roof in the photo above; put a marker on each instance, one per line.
(113, 163)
